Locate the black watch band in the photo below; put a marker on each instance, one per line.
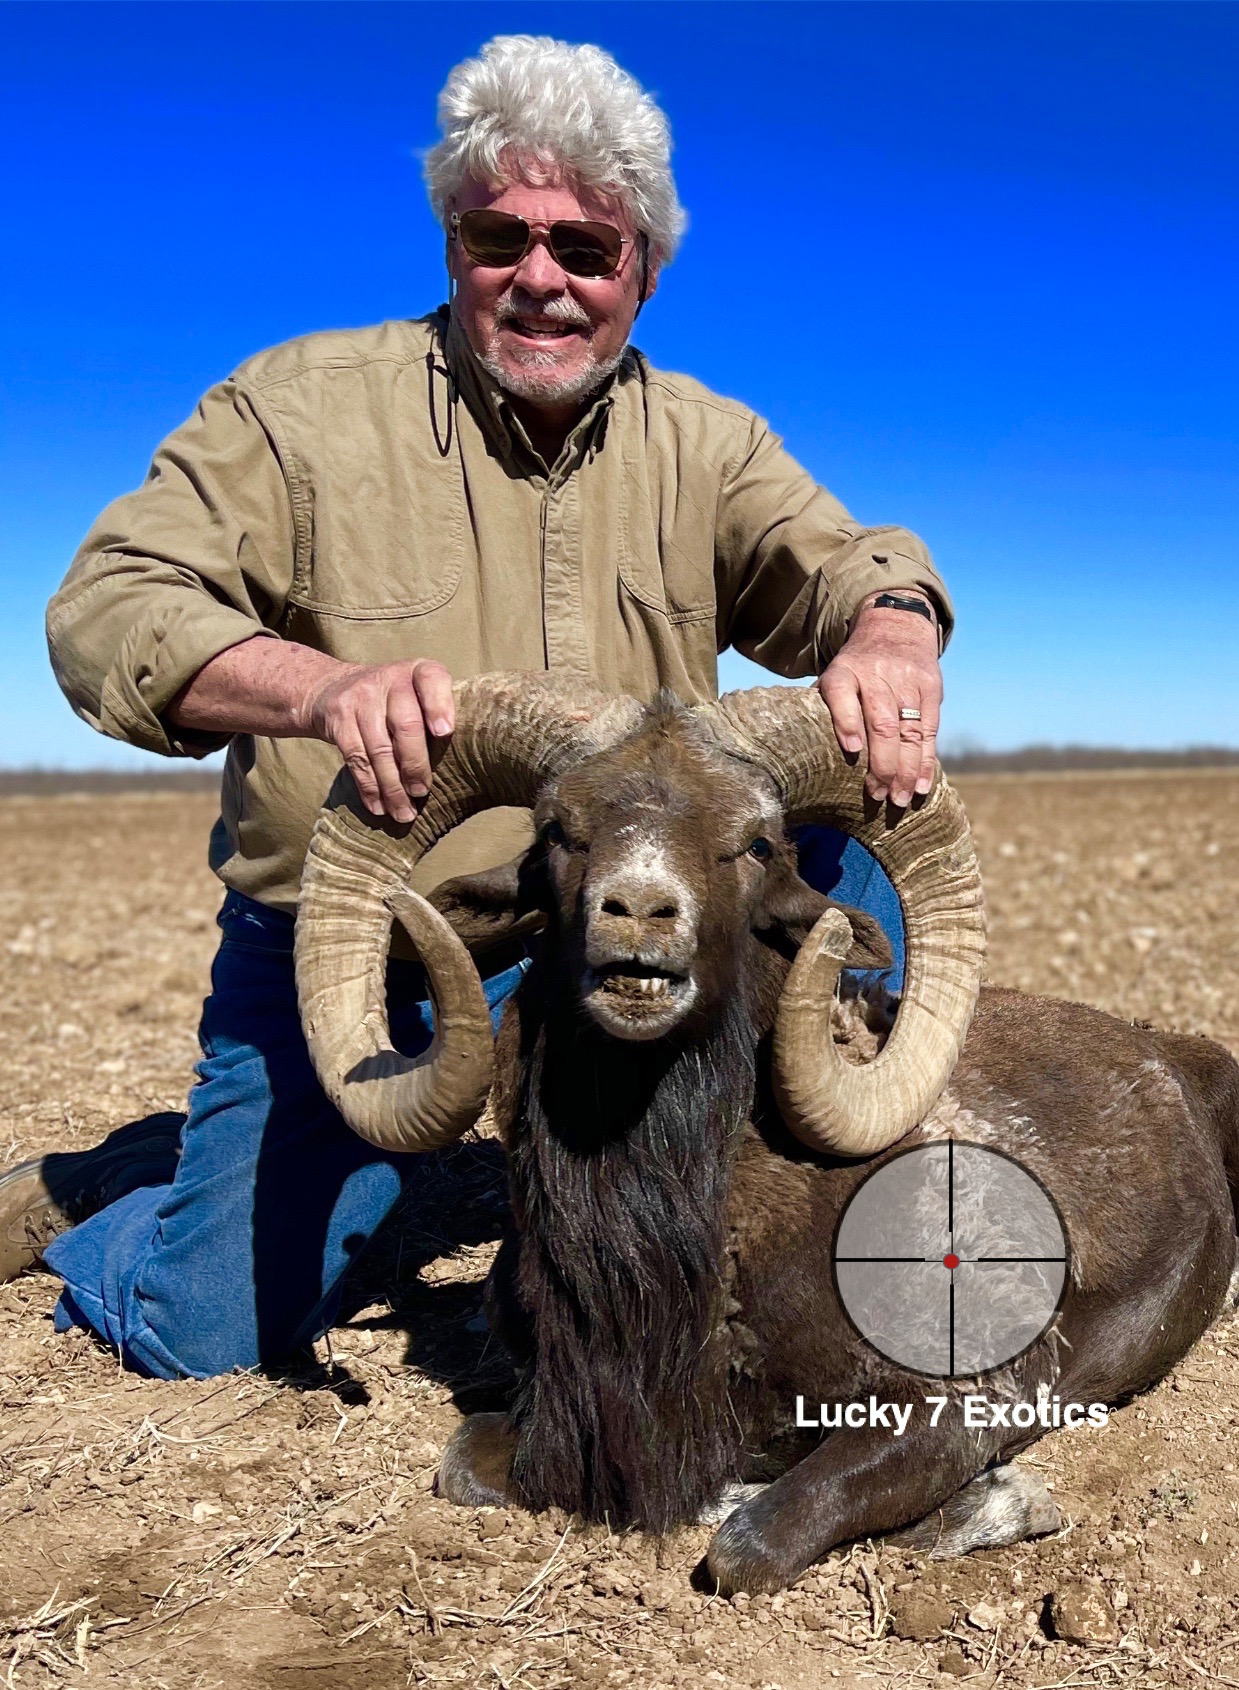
(897, 601)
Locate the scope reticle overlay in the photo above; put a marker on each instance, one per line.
(951, 1259)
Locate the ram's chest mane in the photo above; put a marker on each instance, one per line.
(621, 1166)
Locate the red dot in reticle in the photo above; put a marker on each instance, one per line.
(951, 1261)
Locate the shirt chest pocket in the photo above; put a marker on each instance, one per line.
(666, 547)
(382, 533)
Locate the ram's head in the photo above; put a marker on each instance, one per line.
(654, 861)
(662, 846)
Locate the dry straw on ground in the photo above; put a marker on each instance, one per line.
(280, 1533)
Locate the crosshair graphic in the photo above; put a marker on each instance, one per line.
(951, 1259)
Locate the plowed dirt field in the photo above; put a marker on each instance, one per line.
(281, 1532)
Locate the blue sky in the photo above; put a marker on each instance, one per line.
(976, 263)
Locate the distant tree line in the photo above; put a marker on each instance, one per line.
(49, 783)
(1031, 759)
(1044, 759)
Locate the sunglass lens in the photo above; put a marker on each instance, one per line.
(586, 249)
(494, 237)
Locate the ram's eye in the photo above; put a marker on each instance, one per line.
(761, 848)
(555, 834)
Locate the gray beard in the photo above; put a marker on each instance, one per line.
(535, 383)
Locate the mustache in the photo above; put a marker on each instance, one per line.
(517, 303)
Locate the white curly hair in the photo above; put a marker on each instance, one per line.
(535, 105)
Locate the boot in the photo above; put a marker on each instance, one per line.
(42, 1198)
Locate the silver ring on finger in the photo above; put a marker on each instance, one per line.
(908, 713)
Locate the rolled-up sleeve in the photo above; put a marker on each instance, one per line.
(792, 568)
(200, 558)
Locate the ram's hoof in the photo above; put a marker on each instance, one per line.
(745, 1555)
(475, 1468)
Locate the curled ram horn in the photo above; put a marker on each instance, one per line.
(927, 852)
(513, 732)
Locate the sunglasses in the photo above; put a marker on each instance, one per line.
(498, 240)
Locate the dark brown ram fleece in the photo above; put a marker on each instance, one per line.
(667, 1288)
(619, 1203)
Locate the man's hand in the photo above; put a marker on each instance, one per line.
(379, 717)
(889, 662)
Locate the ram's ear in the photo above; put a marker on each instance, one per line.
(793, 908)
(496, 903)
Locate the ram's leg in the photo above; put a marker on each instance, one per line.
(734, 1496)
(862, 1483)
(1002, 1505)
(475, 1469)
(505, 1312)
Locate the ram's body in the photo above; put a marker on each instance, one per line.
(667, 1288)
(664, 1347)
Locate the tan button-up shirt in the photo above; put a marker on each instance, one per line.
(371, 494)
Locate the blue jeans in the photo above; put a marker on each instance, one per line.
(837, 865)
(242, 1258)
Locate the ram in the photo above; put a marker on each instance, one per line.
(688, 1108)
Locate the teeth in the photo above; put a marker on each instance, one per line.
(638, 985)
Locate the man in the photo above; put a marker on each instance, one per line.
(344, 526)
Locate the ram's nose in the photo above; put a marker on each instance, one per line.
(637, 911)
(641, 903)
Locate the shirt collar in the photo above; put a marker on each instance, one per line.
(493, 409)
